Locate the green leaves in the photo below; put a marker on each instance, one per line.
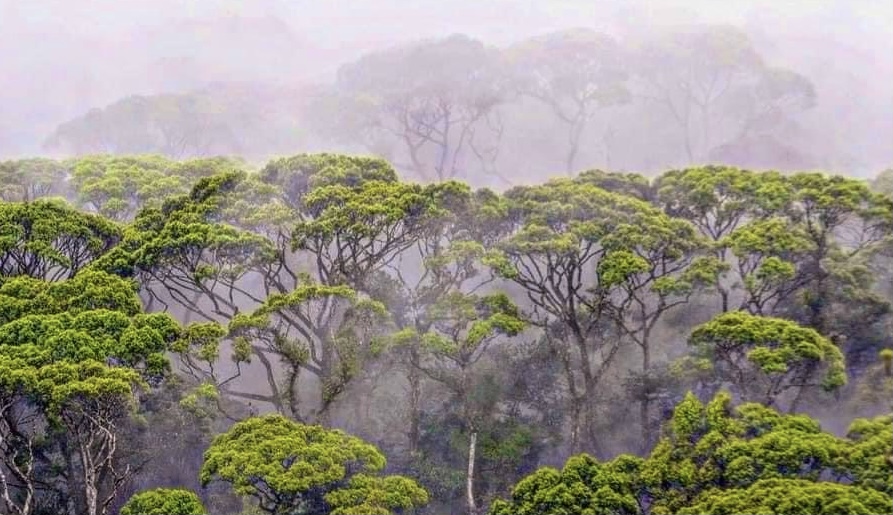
(716, 459)
(164, 501)
(117, 187)
(791, 497)
(50, 240)
(616, 267)
(766, 356)
(584, 486)
(372, 495)
(25, 180)
(869, 454)
(285, 465)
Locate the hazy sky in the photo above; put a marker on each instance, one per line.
(351, 21)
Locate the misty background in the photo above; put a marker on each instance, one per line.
(263, 65)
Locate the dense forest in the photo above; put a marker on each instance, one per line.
(317, 335)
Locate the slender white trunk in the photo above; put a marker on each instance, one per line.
(469, 480)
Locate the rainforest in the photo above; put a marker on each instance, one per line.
(320, 336)
(564, 258)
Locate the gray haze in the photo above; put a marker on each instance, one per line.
(61, 58)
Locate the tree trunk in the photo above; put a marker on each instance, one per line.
(74, 500)
(469, 478)
(91, 495)
(574, 146)
(415, 395)
(645, 401)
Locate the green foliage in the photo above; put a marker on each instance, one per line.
(164, 501)
(289, 467)
(297, 175)
(372, 495)
(764, 356)
(25, 180)
(583, 486)
(50, 240)
(631, 184)
(329, 266)
(791, 497)
(117, 187)
(93, 316)
(714, 446)
(869, 459)
(718, 459)
(717, 199)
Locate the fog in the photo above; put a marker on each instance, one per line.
(62, 58)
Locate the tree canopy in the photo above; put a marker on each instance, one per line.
(692, 341)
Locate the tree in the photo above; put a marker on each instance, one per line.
(766, 105)
(648, 274)
(845, 223)
(869, 458)
(436, 101)
(117, 187)
(177, 126)
(90, 401)
(711, 74)
(583, 486)
(327, 225)
(29, 179)
(769, 254)
(714, 458)
(791, 497)
(575, 73)
(50, 240)
(326, 330)
(461, 327)
(73, 354)
(566, 245)
(164, 501)
(718, 200)
(714, 446)
(630, 184)
(765, 357)
(287, 467)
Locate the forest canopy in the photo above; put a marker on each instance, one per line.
(319, 335)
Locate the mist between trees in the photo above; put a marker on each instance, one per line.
(499, 116)
(320, 336)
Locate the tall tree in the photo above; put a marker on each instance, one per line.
(73, 354)
(575, 73)
(565, 247)
(701, 75)
(435, 101)
(718, 200)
